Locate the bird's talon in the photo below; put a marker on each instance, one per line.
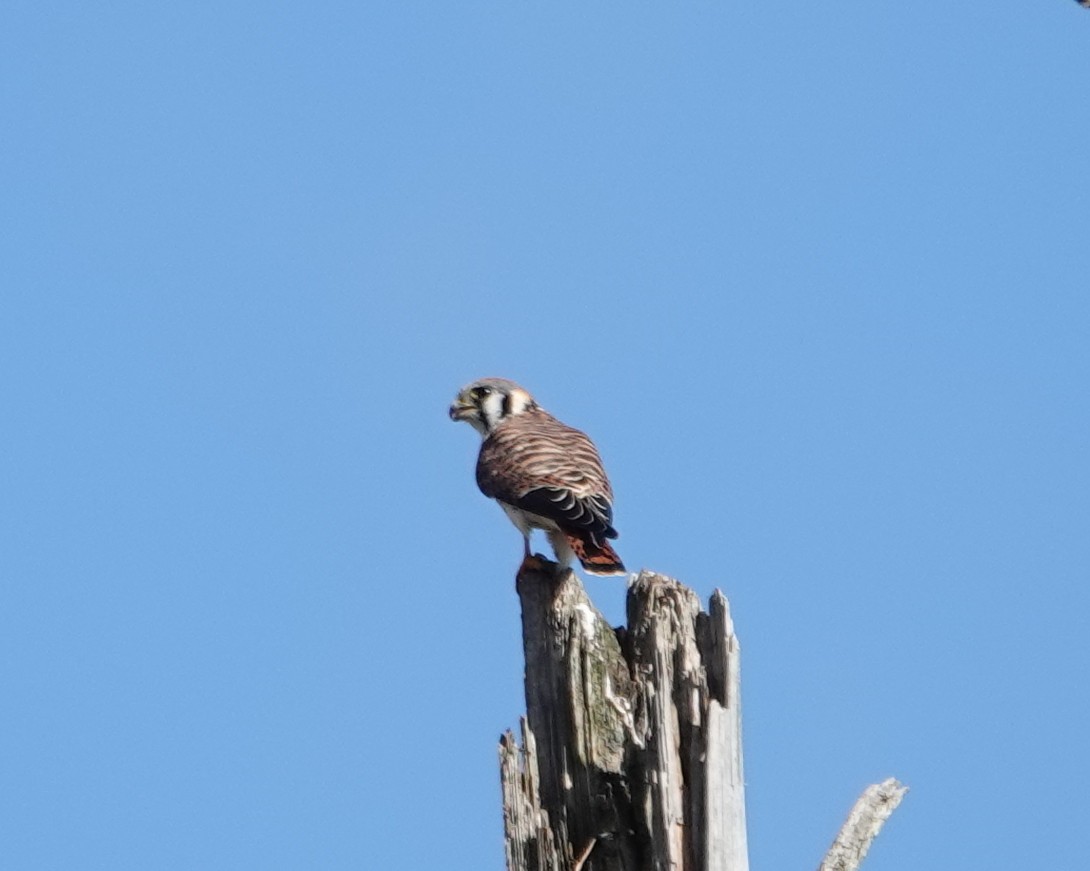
(534, 562)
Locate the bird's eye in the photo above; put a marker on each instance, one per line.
(481, 392)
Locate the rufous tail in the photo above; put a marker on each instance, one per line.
(597, 559)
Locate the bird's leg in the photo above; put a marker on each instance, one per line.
(562, 549)
(530, 562)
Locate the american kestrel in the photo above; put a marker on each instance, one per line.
(545, 474)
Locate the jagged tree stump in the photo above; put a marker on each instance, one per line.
(631, 751)
(631, 745)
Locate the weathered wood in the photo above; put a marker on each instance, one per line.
(867, 816)
(531, 845)
(679, 657)
(631, 753)
(579, 721)
(725, 829)
(620, 726)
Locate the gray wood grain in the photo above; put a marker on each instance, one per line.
(612, 772)
(865, 820)
(631, 747)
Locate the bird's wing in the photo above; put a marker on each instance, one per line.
(538, 464)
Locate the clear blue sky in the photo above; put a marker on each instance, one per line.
(816, 277)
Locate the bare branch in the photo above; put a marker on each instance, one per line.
(866, 819)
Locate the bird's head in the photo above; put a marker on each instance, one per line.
(485, 403)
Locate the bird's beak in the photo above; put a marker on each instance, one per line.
(461, 410)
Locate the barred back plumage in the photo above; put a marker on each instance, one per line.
(544, 473)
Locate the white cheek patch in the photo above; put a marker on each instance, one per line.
(492, 409)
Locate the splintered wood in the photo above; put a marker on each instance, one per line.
(631, 753)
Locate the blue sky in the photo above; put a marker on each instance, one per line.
(813, 277)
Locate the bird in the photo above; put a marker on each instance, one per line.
(544, 474)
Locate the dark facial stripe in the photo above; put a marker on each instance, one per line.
(506, 408)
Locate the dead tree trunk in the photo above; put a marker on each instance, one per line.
(631, 751)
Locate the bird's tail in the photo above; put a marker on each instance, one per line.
(597, 558)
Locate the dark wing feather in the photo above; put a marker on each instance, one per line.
(538, 464)
(591, 513)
